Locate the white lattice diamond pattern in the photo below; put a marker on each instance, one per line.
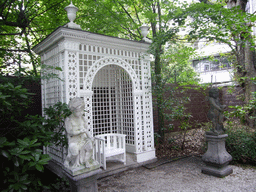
(148, 116)
(72, 75)
(112, 78)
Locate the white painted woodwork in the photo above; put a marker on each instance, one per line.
(113, 77)
(110, 147)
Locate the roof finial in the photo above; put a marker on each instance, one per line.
(71, 12)
(144, 31)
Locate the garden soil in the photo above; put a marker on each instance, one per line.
(180, 175)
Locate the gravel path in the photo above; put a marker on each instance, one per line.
(182, 175)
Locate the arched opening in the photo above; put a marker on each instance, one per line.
(112, 102)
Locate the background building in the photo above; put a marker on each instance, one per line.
(213, 68)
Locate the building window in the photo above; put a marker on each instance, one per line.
(211, 64)
(206, 67)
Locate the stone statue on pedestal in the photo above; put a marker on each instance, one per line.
(80, 141)
(215, 113)
(216, 157)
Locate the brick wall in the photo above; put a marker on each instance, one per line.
(230, 96)
(198, 106)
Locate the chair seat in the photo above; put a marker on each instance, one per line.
(113, 151)
(110, 146)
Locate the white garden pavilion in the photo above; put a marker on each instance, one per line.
(113, 77)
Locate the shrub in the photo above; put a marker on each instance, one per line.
(49, 129)
(23, 158)
(13, 100)
(246, 113)
(21, 155)
(241, 144)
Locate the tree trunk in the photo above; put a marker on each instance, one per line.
(250, 86)
(246, 69)
(250, 72)
(158, 74)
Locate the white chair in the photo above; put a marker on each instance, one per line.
(110, 147)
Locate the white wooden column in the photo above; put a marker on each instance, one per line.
(87, 95)
(137, 120)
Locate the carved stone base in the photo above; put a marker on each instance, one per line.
(217, 171)
(86, 182)
(216, 158)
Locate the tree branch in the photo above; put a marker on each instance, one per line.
(130, 32)
(128, 14)
(2, 34)
(136, 12)
(15, 50)
(54, 5)
(159, 15)
(31, 55)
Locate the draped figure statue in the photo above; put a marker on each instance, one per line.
(80, 141)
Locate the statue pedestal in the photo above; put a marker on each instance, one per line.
(85, 182)
(216, 158)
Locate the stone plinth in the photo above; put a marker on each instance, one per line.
(85, 182)
(216, 158)
(82, 169)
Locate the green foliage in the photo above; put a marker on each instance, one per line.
(216, 22)
(13, 100)
(22, 158)
(177, 64)
(49, 129)
(245, 112)
(172, 107)
(22, 25)
(241, 144)
(12, 96)
(56, 115)
(121, 18)
(21, 151)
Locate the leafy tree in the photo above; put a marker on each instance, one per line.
(122, 18)
(177, 64)
(231, 26)
(22, 25)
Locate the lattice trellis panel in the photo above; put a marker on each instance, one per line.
(108, 61)
(89, 54)
(52, 91)
(88, 110)
(137, 120)
(58, 153)
(72, 75)
(51, 88)
(113, 78)
(147, 110)
(63, 98)
(113, 102)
